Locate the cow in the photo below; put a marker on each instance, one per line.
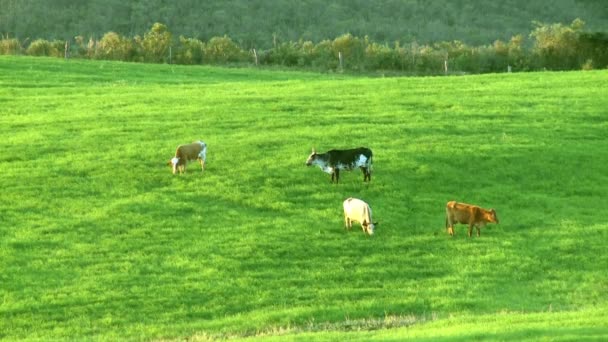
(358, 211)
(335, 160)
(467, 214)
(187, 152)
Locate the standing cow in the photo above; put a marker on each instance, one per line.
(187, 152)
(335, 160)
(358, 211)
(468, 214)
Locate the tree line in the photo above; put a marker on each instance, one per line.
(259, 23)
(548, 46)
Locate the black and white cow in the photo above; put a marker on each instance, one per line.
(335, 160)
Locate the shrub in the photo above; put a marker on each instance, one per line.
(41, 47)
(287, 54)
(112, 46)
(223, 50)
(588, 65)
(352, 49)
(556, 45)
(323, 56)
(190, 51)
(380, 57)
(156, 43)
(10, 47)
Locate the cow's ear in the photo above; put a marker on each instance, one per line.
(376, 223)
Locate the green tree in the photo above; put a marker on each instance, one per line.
(517, 59)
(156, 43)
(190, 51)
(555, 45)
(352, 49)
(223, 50)
(115, 47)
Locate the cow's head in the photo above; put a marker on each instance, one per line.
(311, 159)
(491, 216)
(173, 162)
(368, 227)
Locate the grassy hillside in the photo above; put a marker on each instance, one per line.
(99, 241)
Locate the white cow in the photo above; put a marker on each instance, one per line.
(358, 211)
(186, 152)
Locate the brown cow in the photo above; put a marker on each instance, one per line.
(467, 214)
(186, 152)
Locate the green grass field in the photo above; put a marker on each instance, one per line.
(99, 241)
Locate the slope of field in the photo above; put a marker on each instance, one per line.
(99, 241)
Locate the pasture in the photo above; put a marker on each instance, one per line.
(99, 241)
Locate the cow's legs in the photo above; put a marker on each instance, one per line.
(449, 225)
(364, 173)
(337, 173)
(450, 229)
(367, 173)
(347, 223)
(478, 231)
(202, 162)
(470, 229)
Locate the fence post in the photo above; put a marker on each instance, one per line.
(255, 56)
(66, 51)
(509, 69)
(341, 58)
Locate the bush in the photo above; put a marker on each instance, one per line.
(556, 45)
(323, 56)
(588, 65)
(190, 51)
(352, 49)
(41, 47)
(286, 54)
(380, 57)
(223, 50)
(156, 43)
(10, 47)
(115, 47)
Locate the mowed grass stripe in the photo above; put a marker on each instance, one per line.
(100, 241)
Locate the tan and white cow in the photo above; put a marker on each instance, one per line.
(469, 214)
(187, 152)
(358, 211)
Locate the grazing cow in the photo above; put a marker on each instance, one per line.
(335, 160)
(187, 152)
(358, 211)
(467, 214)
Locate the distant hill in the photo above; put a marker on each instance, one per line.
(260, 23)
